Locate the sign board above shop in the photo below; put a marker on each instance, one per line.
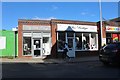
(112, 29)
(76, 28)
(35, 27)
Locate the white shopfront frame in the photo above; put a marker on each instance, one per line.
(80, 29)
(37, 32)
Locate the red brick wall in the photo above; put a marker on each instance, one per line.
(20, 39)
(54, 41)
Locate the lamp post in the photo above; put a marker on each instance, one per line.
(101, 22)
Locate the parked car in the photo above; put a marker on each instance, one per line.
(110, 53)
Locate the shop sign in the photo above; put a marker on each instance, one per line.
(109, 28)
(27, 34)
(2, 42)
(34, 27)
(76, 28)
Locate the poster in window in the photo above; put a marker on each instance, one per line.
(115, 37)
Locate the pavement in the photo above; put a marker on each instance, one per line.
(40, 60)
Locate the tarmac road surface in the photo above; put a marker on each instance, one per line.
(90, 69)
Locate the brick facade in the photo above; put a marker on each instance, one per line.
(53, 24)
(20, 31)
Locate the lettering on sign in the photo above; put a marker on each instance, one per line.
(109, 28)
(76, 28)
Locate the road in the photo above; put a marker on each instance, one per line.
(92, 69)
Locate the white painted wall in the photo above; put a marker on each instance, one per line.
(2, 42)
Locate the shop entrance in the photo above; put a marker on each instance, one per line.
(71, 47)
(37, 47)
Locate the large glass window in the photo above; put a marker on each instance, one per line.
(26, 45)
(61, 40)
(110, 37)
(86, 41)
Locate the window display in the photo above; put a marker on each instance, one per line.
(78, 41)
(86, 41)
(94, 42)
(83, 41)
(112, 37)
(26, 45)
(61, 40)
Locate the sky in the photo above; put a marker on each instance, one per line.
(81, 11)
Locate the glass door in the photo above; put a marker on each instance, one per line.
(36, 47)
(71, 47)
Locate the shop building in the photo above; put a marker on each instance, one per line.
(81, 37)
(42, 38)
(34, 39)
(110, 31)
(112, 34)
(113, 30)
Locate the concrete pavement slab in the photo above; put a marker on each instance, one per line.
(39, 60)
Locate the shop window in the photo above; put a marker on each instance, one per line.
(78, 41)
(45, 39)
(108, 35)
(115, 37)
(61, 40)
(86, 41)
(46, 45)
(108, 38)
(93, 39)
(26, 45)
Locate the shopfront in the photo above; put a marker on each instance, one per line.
(35, 39)
(40, 38)
(78, 37)
(112, 34)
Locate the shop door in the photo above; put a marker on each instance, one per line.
(71, 47)
(36, 47)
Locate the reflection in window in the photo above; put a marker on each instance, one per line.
(86, 42)
(61, 40)
(78, 41)
(108, 38)
(46, 45)
(26, 45)
(93, 41)
(45, 39)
